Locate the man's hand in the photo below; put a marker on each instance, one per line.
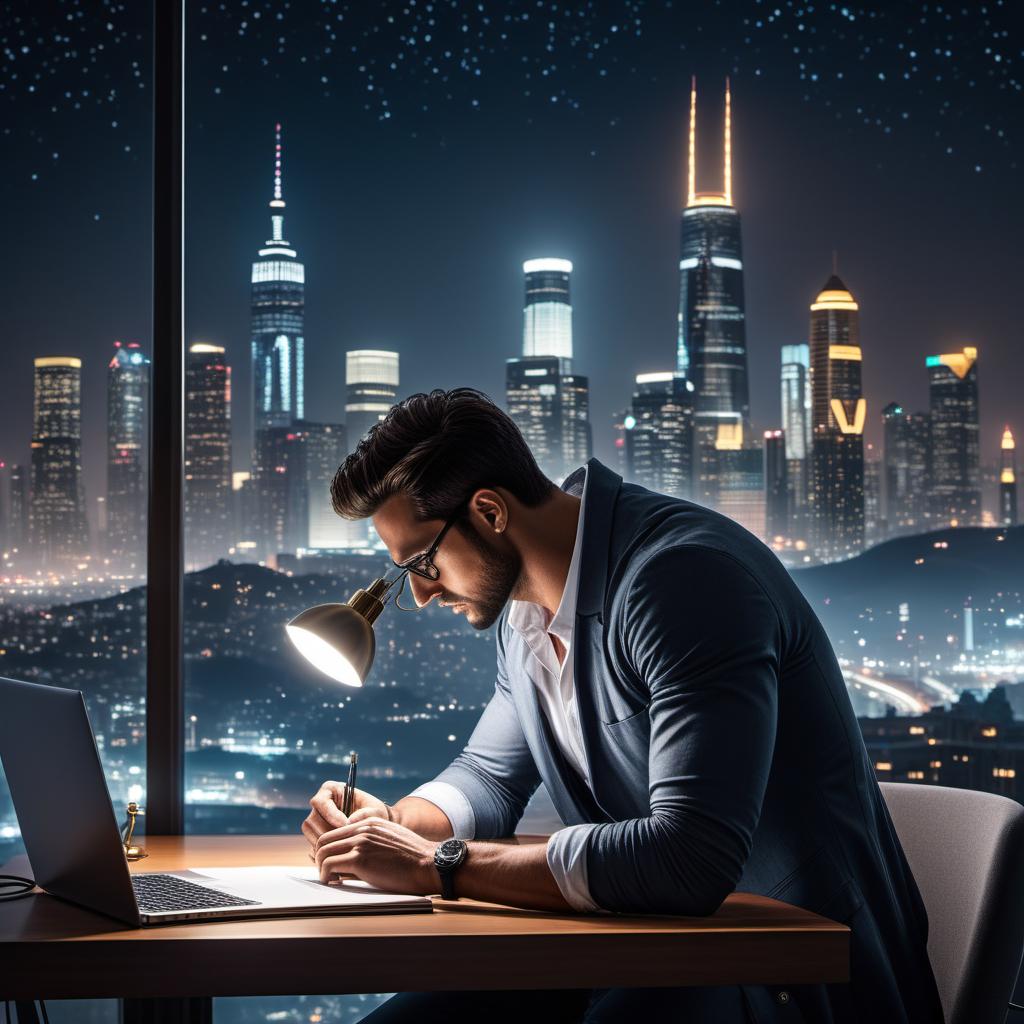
(326, 810)
(381, 852)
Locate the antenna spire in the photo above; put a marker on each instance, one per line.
(277, 200)
(728, 144)
(691, 181)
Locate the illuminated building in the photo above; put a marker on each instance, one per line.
(741, 491)
(955, 473)
(371, 388)
(208, 499)
(325, 451)
(796, 431)
(838, 413)
(127, 454)
(1008, 480)
(13, 510)
(659, 434)
(776, 486)
(874, 522)
(547, 312)
(711, 346)
(278, 317)
(278, 362)
(58, 529)
(548, 401)
(905, 470)
(621, 422)
(550, 406)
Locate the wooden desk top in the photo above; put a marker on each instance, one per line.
(51, 949)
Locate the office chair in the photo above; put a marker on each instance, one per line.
(966, 850)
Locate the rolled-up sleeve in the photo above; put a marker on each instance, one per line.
(702, 634)
(567, 861)
(495, 772)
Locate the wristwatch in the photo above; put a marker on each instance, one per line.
(447, 858)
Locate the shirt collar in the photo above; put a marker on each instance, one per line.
(524, 616)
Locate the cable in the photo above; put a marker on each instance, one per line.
(22, 887)
(1014, 1006)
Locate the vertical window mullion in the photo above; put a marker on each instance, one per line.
(165, 737)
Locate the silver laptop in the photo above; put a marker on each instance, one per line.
(73, 841)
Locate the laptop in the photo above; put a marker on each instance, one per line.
(73, 840)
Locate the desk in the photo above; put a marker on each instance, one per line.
(53, 950)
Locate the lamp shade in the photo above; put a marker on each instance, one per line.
(335, 638)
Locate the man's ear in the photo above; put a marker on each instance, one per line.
(492, 508)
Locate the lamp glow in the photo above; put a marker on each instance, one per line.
(338, 638)
(320, 654)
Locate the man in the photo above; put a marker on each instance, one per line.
(659, 671)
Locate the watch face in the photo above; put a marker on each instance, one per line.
(449, 853)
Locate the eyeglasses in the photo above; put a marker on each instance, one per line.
(422, 564)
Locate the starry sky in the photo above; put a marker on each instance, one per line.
(431, 147)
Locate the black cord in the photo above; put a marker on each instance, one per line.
(46, 1016)
(1014, 1006)
(22, 887)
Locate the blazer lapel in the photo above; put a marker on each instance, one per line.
(602, 491)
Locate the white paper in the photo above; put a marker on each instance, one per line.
(287, 886)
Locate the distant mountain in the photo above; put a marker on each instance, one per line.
(931, 571)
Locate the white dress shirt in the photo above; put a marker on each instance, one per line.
(556, 693)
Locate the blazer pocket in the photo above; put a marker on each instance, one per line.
(635, 717)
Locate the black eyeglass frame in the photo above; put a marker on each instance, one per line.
(412, 564)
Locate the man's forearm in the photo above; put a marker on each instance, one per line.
(422, 817)
(515, 875)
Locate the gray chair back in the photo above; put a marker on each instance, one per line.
(966, 850)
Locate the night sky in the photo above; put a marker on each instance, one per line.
(429, 148)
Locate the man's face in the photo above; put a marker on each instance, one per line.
(479, 567)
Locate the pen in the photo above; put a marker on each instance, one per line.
(350, 785)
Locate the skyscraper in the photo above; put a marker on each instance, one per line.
(711, 345)
(1008, 480)
(874, 520)
(547, 313)
(208, 504)
(325, 450)
(371, 388)
(127, 453)
(796, 432)
(838, 413)
(776, 486)
(58, 527)
(905, 470)
(18, 511)
(955, 471)
(659, 434)
(278, 319)
(548, 401)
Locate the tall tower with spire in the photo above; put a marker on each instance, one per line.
(278, 363)
(278, 320)
(711, 344)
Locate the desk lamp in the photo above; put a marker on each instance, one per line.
(338, 638)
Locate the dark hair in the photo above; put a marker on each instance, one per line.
(438, 449)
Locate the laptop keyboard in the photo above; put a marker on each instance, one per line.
(156, 893)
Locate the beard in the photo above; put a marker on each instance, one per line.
(500, 571)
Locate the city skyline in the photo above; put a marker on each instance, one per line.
(278, 395)
(446, 203)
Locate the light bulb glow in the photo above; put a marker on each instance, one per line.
(323, 656)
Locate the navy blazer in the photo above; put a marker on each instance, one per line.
(723, 750)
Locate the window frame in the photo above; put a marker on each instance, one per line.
(165, 695)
